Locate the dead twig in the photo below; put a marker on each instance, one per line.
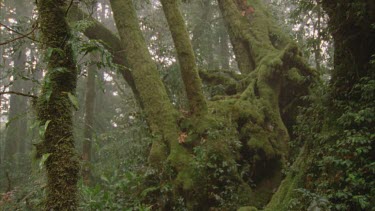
(19, 33)
(18, 93)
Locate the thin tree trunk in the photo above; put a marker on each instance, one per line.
(16, 127)
(89, 120)
(317, 42)
(224, 51)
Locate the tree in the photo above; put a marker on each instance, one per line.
(186, 57)
(89, 120)
(54, 108)
(255, 140)
(261, 106)
(17, 125)
(17, 106)
(338, 150)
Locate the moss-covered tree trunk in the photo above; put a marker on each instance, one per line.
(186, 57)
(54, 108)
(161, 116)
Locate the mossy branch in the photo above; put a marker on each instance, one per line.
(186, 57)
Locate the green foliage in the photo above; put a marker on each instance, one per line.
(314, 201)
(343, 148)
(43, 128)
(43, 160)
(116, 192)
(26, 182)
(118, 172)
(83, 47)
(215, 174)
(73, 99)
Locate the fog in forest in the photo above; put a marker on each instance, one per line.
(187, 105)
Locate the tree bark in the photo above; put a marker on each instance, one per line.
(89, 120)
(54, 109)
(354, 44)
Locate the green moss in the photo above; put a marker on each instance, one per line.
(260, 142)
(248, 208)
(287, 189)
(295, 76)
(157, 153)
(185, 179)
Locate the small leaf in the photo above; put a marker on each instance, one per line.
(49, 53)
(48, 94)
(42, 130)
(73, 99)
(104, 178)
(61, 69)
(182, 137)
(46, 125)
(43, 160)
(148, 190)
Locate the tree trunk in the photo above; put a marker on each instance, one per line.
(202, 40)
(54, 109)
(161, 115)
(186, 57)
(16, 132)
(354, 44)
(224, 51)
(89, 120)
